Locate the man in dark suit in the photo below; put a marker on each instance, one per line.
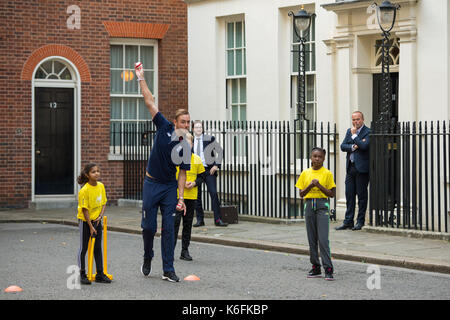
(356, 144)
(203, 148)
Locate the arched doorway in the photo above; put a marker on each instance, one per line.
(55, 128)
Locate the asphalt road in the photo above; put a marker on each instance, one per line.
(36, 257)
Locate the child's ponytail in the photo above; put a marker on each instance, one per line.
(83, 177)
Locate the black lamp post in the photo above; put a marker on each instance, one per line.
(384, 168)
(302, 23)
(386, 14)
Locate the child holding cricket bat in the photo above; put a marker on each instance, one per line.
(91, 207)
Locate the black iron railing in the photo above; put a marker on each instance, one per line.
(261, 164)
(409, 178)
(133, 141)
(409, 182)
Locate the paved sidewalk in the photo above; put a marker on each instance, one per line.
(370, 245)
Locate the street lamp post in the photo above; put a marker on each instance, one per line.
(302, 23)
(384, 175)
(386, 14)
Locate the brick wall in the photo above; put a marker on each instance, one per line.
(26, 26)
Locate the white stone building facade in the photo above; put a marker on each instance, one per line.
(241, 65)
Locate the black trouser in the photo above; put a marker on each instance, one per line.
(85, 234)
(356, 184)
(211, 184)
(187, 224)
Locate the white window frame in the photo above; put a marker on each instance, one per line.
(229, 78)
(234, 48)
(294, 79)
(115, 150)
(238, 104)
(240, 143)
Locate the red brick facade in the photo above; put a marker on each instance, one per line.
(33, 30)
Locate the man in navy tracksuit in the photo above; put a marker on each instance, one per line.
(160, 184)
(356, 144)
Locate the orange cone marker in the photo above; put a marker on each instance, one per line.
(13, 289)
(192, 277)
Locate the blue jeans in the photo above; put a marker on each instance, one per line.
(164, 196)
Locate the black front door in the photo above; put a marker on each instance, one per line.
(54, 158)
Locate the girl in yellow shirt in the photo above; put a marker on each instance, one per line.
(316, 185)
(91, 207)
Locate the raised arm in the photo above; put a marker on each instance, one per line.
(149, 100)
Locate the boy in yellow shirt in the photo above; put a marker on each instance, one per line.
(316, 185)
(190, 199)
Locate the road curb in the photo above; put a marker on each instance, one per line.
(304, 250)
(284, 248)
(419, 234)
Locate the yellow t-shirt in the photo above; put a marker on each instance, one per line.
(93, 198)
(196, 168)
(325, 178)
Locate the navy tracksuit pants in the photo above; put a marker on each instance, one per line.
(164, 196)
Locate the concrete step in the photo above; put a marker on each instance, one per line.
(47, 204)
